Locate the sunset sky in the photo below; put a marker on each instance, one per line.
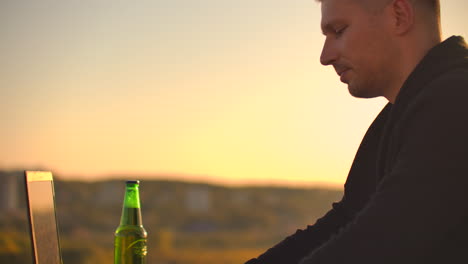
(226, 91)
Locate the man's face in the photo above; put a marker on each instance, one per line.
(358, 46)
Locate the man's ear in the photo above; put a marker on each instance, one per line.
(402, 12)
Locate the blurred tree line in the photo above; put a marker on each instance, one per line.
(187, 223)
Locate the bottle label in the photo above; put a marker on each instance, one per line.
(130, 250)
(138, 248)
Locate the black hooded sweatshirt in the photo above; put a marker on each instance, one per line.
(406, 196)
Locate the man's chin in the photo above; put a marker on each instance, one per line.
(360, 93)
(354, 91)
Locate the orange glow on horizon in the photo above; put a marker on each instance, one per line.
(223, 93)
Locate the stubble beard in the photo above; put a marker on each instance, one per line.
(365, 89)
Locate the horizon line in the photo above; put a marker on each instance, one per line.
(185, 177)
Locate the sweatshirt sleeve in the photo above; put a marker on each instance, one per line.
(358, 188)
(295, 247)
(419, 212)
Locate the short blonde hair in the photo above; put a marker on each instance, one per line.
(375, 6)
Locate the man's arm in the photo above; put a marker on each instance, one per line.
(358, 188)
(419, 213)
(295, 247)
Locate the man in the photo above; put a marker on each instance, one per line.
(406, 195)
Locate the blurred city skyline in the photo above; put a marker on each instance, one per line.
(210, 90)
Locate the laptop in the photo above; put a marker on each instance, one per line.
(42, 218)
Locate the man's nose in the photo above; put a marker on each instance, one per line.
(329, 53)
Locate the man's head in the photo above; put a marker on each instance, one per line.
(375, 44)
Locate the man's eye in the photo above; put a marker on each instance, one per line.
(339, 31)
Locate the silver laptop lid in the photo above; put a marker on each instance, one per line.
(42, 217)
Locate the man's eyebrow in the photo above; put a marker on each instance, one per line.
(329, 26)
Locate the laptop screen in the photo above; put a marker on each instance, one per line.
(42, 218)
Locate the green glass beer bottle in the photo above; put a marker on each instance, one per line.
(130, 237)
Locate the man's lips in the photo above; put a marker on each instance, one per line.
(341, 71)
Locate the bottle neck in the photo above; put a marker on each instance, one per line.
(131, 212)
(131, 216)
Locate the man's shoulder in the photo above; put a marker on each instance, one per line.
(444, 73)
(444, 95)
(450, 85)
